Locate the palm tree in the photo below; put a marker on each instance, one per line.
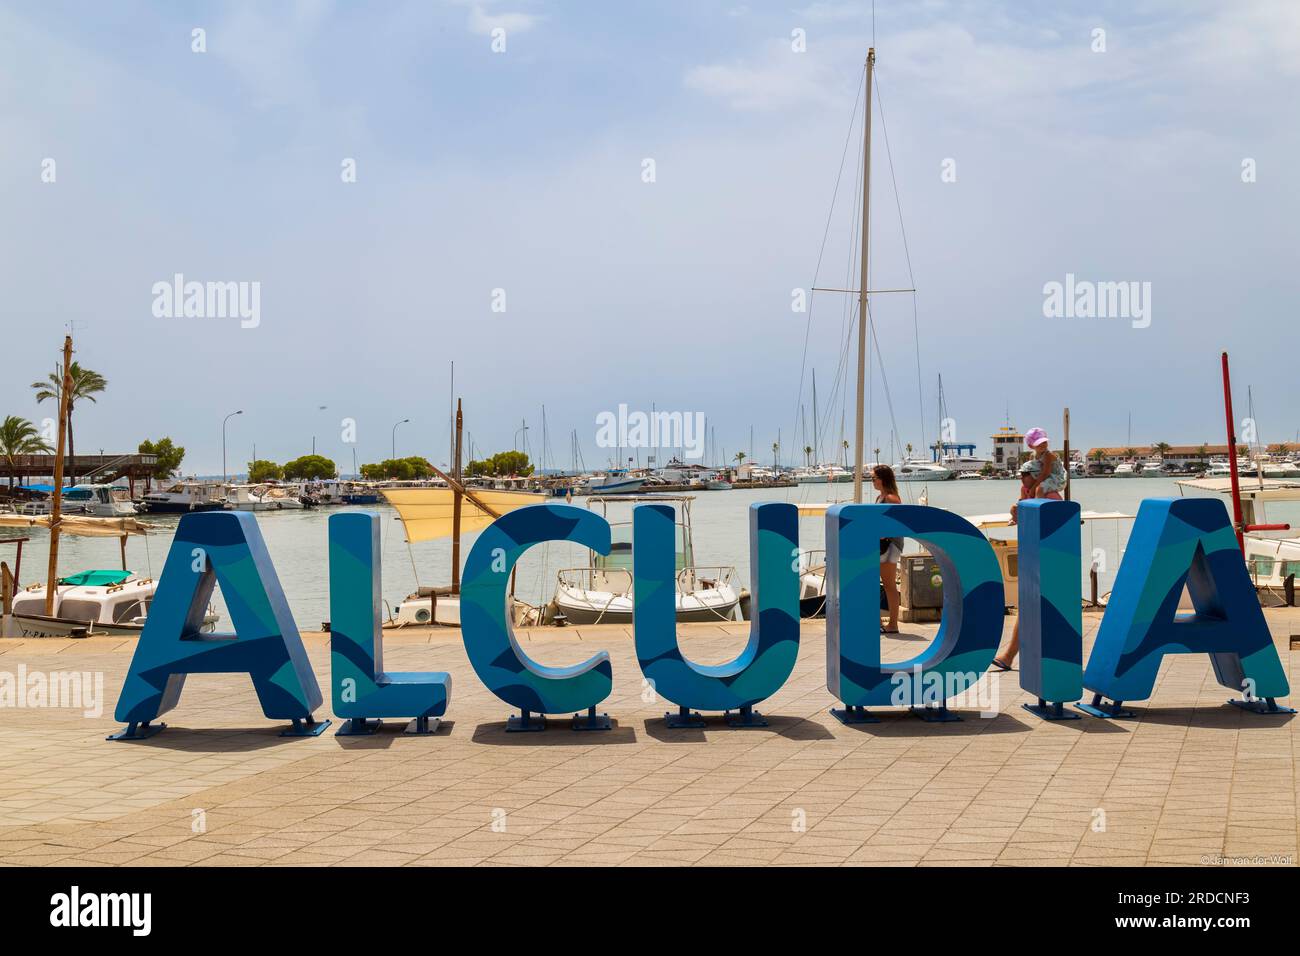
(845, 445)
(1202, 462)
(776, 447)
(18, 436)
(740, 457)
(86, 383)
(1160, 448)
(807, 455)
(1098, 456)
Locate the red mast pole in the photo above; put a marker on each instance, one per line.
(1232, 457)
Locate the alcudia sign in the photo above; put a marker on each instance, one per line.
(1175, 544)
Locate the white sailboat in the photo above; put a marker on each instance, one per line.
(601, 593)
(431, 512)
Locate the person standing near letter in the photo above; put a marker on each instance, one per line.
(891, 549)
(1043, 476)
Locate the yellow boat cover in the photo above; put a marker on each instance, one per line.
(426, 513)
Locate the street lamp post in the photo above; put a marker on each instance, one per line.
(225, 476)
(402, 422)
(319, 408)
(518, 432)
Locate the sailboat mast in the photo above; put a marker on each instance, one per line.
(817, 457)
(456, 500)
(862, 288)
(56, 511)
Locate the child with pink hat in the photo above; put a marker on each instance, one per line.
(1042, 476)
(1050, 480)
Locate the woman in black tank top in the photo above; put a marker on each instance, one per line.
(891, 549)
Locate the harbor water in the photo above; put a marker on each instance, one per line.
(297, 540)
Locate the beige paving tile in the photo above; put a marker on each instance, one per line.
(1190, 779)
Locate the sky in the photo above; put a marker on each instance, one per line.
(503, 217)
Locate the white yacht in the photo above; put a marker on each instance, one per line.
(962, 464)
(822, 475)
(1128, 469)
(913, 469)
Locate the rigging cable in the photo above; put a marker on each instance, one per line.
(803, 365)
(911, 277)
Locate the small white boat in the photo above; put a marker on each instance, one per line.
(96, 602)
(183, 497)
(1127, 469)
(262, 498)
(98, 501)
(429, 606)
(613, 483)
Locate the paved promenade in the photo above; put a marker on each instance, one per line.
(1189, 782)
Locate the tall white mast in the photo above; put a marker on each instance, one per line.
(862, 288)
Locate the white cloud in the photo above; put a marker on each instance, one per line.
(782, 79)
(483, 22)
(823, 11)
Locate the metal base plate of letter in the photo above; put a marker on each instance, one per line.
(306, 727)
(137, 732)
(854, 715)
(684, 719)
(745, 717)
(358, 727)
(592, 721)
(1256, 706)
(1099, 708)
(525, 723)
(1049, 710)
(423, 726)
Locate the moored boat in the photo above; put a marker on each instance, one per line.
(90, 603)
(182, 497)
(602, 592)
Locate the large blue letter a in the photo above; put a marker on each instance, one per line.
(225, 548)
